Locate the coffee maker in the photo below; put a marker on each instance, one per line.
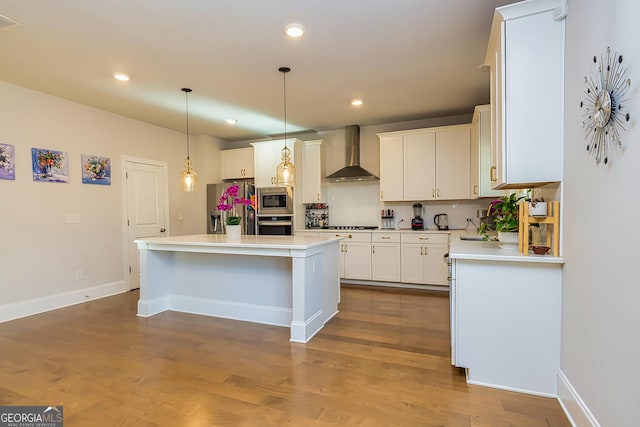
(416, 222)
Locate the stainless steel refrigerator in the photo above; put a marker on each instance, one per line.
(216, 219)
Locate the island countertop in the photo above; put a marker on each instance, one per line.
(218, 243)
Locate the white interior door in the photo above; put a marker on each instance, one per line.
(146, 208)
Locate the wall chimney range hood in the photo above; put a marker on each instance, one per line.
(352, 172)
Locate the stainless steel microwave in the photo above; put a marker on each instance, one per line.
(275, 201)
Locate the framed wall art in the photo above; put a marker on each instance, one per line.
(49, 165)
(96, 170)
(7, 161)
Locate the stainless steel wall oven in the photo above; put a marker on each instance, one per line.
(278, 225)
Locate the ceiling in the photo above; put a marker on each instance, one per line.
(407, 59)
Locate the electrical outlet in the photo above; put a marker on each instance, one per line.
(79, 275)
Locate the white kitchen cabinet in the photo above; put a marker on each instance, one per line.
(310, 172)
(266, 157)
(391, 168)
(422, 258)
(453, 161)
(481, 155)
(355, 255)
(527, 93)
(419, 167)
(236, 163)
(425, 164)
(385, 257)
(505, 323)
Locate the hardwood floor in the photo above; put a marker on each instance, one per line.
(383, 361)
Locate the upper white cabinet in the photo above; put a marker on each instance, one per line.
(310, 171)
(526, 59)
(237, 163)
(481, 154)
(391, 166)
(267, 155)
(425, 164)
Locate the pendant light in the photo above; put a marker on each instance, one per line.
(285, 171)
(189, 176)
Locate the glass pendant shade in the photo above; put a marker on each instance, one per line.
(286, 170)
(189, 177)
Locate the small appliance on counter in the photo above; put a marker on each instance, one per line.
(316, 215)
(387, 216)
(441, 221)
(417, 222)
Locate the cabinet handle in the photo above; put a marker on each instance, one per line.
(492, 174)
(433, 193)
(421, 250)
(318, 196)
(381, 195)
(345, 248)
(475, 189)
(423, 238)
(385, 237)
(373, 249)
(349, 236)
(438, 193)
(425, 251)
(337, 235)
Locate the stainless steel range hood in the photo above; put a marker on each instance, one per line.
(352, 172)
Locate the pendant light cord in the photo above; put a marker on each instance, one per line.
(284, 93)
(284, 71)
(186, 91)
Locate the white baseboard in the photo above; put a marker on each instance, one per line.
(277, 316)
(52, 302)
(572, 404)
(444, 288)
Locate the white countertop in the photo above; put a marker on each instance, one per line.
(379, 230)
(493, 251)
(297, 242)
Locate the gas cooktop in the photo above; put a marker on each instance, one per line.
(350, 227)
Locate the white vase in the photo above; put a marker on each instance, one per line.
(508, 237)
(234, 232)
(540, 209)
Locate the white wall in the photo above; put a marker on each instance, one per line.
(601, 285)
(39, 252)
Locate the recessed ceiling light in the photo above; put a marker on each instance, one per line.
(294, 30)
(123, 77)
(231, 121)
(357, 102)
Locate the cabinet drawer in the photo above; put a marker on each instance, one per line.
(425, 238)
(385, 237)
(350, 235)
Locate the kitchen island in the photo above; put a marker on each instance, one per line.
(290, 281)
(505, 316)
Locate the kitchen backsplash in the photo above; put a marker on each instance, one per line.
(359, 204)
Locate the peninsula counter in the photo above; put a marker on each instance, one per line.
(290, 281)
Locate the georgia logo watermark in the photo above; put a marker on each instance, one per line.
(31, 416)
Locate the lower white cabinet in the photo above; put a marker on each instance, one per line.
(385, 257)
(396, 257)
(505, 323)
(355, 255)
(423, 258)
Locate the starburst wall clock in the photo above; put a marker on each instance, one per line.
(604, 105)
